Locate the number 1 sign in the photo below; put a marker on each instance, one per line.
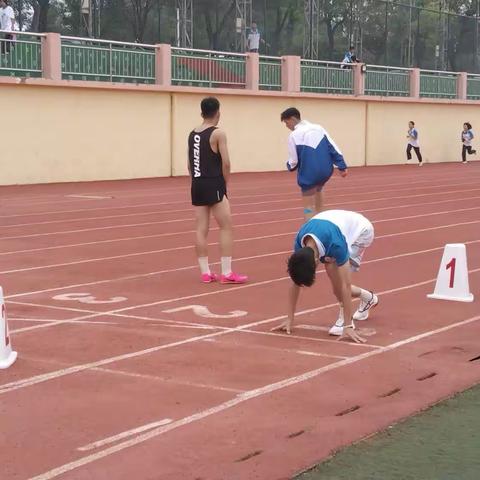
(452, 279)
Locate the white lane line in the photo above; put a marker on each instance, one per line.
(269, 202)
(318, 340)
(125, 434)
(39, 320)
(89, 197)
(290, 196)
(26, 382)
(189, 247)
(86, 312)
(244, 397)
(421, 184)
(136, 254)
(143, 224)
(249, 285)
(357, 179)
(432, 182)
(56, 323)
(168, 380)
(296, 219)
(43, 320)
(317, 354)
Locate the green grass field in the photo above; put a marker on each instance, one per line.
(442, 443)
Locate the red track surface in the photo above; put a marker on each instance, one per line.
(233, 400)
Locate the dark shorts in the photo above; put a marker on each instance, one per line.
(308, 191)
(208, 191)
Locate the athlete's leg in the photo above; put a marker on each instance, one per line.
(309, 200)
(319, 200)
(409, 152)
(202, 220)
(419, 155)
(223, 216)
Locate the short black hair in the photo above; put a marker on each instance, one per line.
(301, 267)
(210, 106)
(289, 113)
(352, 47)
(412, 122)
(469, 125)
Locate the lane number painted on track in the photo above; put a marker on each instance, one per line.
(203, 311)
(86, 298)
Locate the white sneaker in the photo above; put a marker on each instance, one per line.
(420, 164)
(364, 307)
(337, 328)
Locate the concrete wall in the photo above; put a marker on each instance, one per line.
(78, 131)
(439, 126)
(68, 134)
(256, 136)
(257, 140)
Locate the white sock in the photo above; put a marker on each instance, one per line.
(340, 320)
(226, 265)
(365, 295)
(203, 262)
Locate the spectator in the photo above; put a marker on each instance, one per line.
(7, 24)
(254, 39)
(349, 57)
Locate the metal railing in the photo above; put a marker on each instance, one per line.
(205, 68)
(21, 54)
(108, 61)
(438, 84)
(387, 81)
(473, 87)
(111, 61)
(270, 74)
(325, 77)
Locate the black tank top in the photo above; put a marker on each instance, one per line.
(204, 162)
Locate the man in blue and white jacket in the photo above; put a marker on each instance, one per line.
(313, 154)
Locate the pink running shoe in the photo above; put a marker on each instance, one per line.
(233, 278)
(209, 277)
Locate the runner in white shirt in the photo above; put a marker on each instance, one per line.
(467, 137)
(338, 239)
(412, 136)
(253, 39)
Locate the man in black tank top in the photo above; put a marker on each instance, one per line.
(209, 168)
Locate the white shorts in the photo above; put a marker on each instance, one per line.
(359, 246)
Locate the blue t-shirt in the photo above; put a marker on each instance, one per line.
(328, 237)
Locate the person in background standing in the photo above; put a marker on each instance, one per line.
(209, 168)
(349, 58)
(254, 38)
(7, 24)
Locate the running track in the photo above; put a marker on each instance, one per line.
(125, 379)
